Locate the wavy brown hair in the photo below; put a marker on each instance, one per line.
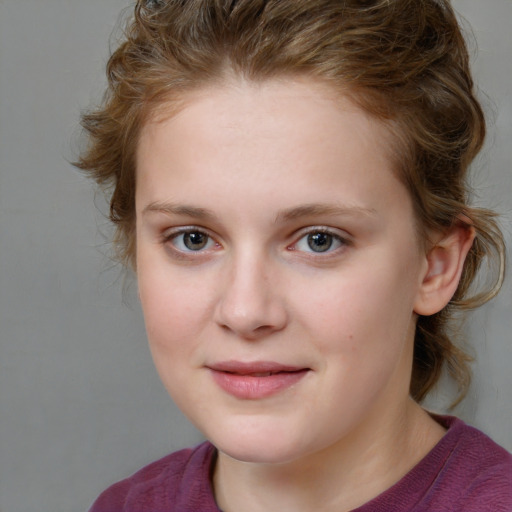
(403, 61)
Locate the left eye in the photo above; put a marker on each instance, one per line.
(319, 242)
(192, 241)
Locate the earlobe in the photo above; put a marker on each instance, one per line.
(444, 264)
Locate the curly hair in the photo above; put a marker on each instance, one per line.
(405, 62)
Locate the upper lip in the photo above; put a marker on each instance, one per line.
(248, 368)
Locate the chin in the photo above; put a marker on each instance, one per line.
(260, 444)
(259, 454)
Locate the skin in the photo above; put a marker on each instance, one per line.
(243, 163)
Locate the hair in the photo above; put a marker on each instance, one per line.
(405, 62)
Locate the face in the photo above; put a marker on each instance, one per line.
(278, 267)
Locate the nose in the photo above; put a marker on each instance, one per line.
(251, 303)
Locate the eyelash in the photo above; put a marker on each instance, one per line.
(171, 237)
(335, 238)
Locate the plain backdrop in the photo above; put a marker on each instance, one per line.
(80, 403)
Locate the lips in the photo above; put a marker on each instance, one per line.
(255, 380)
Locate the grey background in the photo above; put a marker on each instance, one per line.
(80, 403)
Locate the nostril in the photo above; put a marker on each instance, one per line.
(264, 329)
(250, 334)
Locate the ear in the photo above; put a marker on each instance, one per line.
(444, 264)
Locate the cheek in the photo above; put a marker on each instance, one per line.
(365, 309)
(174, 311)
(174, 316)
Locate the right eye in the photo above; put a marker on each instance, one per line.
(190, 240)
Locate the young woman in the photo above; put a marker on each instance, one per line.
(289, 186)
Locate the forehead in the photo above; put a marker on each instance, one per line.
(241, 137)
(288, 110)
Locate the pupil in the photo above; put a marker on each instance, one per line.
(320, 242)
(195, 241)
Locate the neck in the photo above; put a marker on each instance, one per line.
(340, 478)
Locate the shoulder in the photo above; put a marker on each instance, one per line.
(466, 471)
(179, 478)
(477, 471)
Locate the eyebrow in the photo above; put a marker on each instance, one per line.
(177, 209)
(307, 210)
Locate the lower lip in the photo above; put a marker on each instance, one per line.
(248, 387)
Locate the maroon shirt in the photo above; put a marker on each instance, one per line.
(466, 471)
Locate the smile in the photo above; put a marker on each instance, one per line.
(253, 381)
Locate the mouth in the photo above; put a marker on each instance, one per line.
(256, 380)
